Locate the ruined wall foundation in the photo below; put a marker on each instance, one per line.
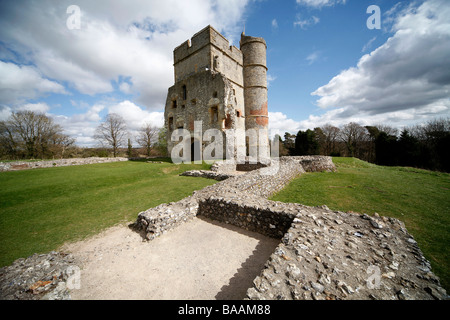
(323, 254)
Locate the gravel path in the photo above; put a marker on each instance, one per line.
(202, 259)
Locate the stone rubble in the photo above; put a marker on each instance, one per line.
(23, 165)
(38, 277)
(332, 255)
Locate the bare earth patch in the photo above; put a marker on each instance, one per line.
(202, 259)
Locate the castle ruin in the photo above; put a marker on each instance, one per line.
(223, 87)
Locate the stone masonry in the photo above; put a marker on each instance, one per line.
(218, 86)
(23, 165)
(323, 254)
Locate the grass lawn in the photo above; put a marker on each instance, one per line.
(40, 209)
(420, 198)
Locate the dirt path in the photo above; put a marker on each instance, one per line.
(200, 259)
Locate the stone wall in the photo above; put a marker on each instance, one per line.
(323, 254)
(260, 183)
(22, 165)
(332, 255)
(248, 212)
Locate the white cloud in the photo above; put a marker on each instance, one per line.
(313, 57)
(40, 107)
(279, 123)
(132, 39)
(341, 116)
(5, 112)
(368, 45)
(274, 24)
(303, 23)
(135, 116)
(82, 126)
(320, 3)
(19, 83)
(270, 79)
(408, 76)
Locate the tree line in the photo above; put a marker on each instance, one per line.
(424, 146)
(32, 135)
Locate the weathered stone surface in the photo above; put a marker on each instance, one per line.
(23, 165)
(40, 276)
(351, 260)
(207, 174)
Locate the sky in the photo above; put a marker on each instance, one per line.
(329, 61)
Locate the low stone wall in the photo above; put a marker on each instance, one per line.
(207, 174)
(260, 183)
(23, 165)
(155, 221)
(323, 254)
(313, 163)
(250, 213)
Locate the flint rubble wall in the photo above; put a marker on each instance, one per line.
(23, 165)
(323, 254)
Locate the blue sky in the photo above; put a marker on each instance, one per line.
(325, 64)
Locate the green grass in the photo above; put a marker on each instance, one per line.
(40, 209)
(420, 198)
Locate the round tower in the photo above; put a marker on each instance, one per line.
(255, 91)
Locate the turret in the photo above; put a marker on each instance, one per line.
(255, 91)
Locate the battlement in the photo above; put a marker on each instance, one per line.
(206, 36)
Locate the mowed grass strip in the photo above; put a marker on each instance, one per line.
(419, 198)
(40, 209)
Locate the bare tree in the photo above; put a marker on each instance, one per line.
(354, 137)
(390, 131)
(112, 132)
(32, 135)
(147, 137)
(331, 137)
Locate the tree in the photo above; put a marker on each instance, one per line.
(289, 142)
(27, 134)
(306, 143)
(282, 150)
(161, 145)
(436, 138)
(408, 149)
(112, 132)
(321, 140)
(130, 149)
(331, 134)
(147, 137)
(354, 137)
(386, 149)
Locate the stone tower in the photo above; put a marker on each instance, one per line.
(220, 87)
(255, 91)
